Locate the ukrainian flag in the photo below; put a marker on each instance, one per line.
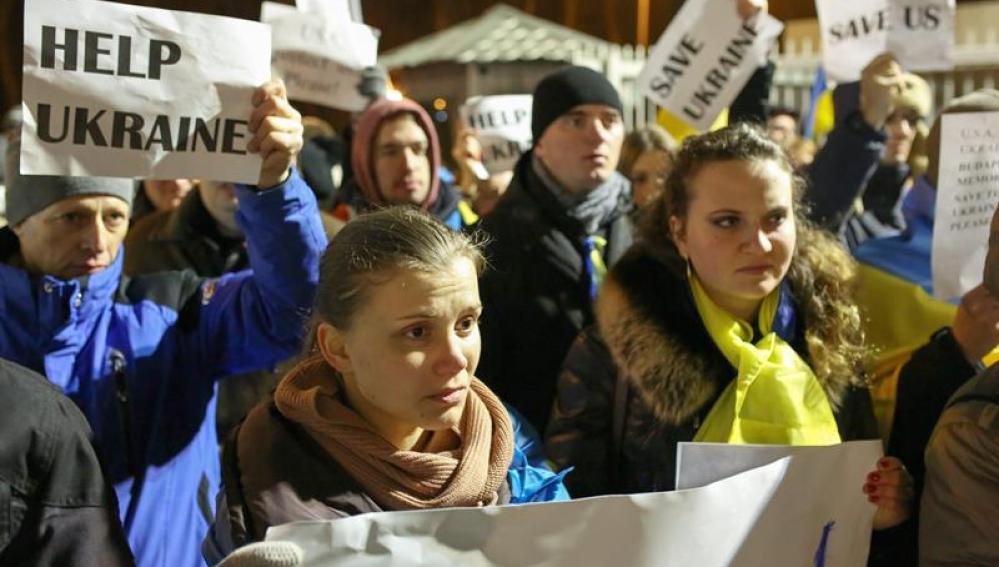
(895, 295)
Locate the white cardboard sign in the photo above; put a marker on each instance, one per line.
(798, 506)
(502, 125)
(967, 194)
(821, 492)
(704, 58)
(920, 33)
(124, 91)
(703, 527)
(320, 57)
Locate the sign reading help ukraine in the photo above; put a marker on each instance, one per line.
(122, 91)
(320, 55)
(920, 33)
(967, 194)
(704, 58)
(502, 125)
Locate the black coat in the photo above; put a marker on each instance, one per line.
(55, 506)
(535, 292)
(650, 331)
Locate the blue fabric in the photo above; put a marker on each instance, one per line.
(530, 478)
(454, 220)
(819, 86)
(785, 322)
(72, 331)
(907, 255)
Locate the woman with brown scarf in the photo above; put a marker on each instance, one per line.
(384, 413)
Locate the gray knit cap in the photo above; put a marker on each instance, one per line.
(29, 194)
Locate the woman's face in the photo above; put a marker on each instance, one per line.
(739, 234)
(412, 349)
(648, 176)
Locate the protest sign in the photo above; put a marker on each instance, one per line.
(502, 125)
(920, 33)
(123, 91)
(703, 527)
(967, 194)
(338, 10)
(704, 58)
(821, 492)
(320, 57)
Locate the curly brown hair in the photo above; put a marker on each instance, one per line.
(821, 274)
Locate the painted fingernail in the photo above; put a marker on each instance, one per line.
(874, 477)
(869, 488)
(883, 464)
(872, 498)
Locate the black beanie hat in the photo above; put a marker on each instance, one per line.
(566, 89)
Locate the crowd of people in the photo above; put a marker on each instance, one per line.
(190, 362)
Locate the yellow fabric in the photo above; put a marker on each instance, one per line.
(894, 329)
(597, 259)
(678, 129)
(825, 117)
(775, 398)
(468, 215)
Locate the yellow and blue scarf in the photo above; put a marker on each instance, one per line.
(775, 397)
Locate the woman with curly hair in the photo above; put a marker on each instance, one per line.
(730, 320)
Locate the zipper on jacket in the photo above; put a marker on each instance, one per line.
(124, 411)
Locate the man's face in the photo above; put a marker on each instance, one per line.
(991, 275)
(901, 130)
(581, 148)
(220, 200)
(401, 157)
(782, 128)
(74, 237)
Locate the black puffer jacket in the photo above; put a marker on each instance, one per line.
(536, 292)
(649, 331)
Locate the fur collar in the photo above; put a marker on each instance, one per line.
(648, 319)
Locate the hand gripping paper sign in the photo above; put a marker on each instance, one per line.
(920, 33)
(703, 527)
(320, 56)
(122, 91)
(502, 124)
(967, 194)
(704, 58)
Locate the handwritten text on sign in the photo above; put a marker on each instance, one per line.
(319, 56)
(967, 194)
(123, 91)
(704, 58)
(920, 33)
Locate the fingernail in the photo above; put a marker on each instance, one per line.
(883, 464)
(869, 488)
(874, 477)
(872, 498)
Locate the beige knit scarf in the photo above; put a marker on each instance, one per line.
(470, 475)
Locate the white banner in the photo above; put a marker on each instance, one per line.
(807, 508)
(919, 32)
(822, 493)
(502, 125)
(704, 58)
(703, 527)
(124, 91)
(320, 57)
(967, 193)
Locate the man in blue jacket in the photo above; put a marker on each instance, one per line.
(141, 356)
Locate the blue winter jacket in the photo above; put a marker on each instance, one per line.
(141, 358)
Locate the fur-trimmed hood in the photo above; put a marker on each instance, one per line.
(648, 319)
